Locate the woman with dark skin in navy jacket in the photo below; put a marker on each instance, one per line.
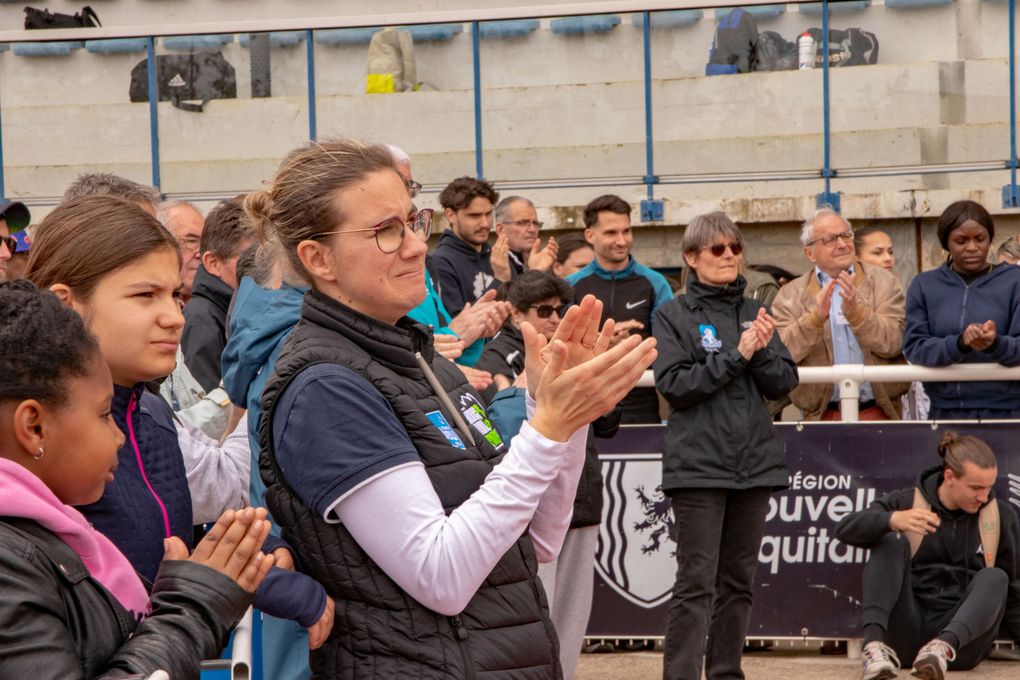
(966, 311)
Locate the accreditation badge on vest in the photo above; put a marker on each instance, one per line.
(440, 421)
(477, 419)
(709, 338)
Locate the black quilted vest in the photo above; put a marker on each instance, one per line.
(379, 630)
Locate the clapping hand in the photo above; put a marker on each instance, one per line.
(541, 258)
(980, 336)
(758, 335)
(575, 377)
(499, 258)
(232, 547)
(481, 319)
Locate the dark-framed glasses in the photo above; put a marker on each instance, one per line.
(11, 243)
(413, 187)
(829, 241)
(545, 311)
(719, 249)
(389, 234)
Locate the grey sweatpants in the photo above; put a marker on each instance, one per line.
(569, 582)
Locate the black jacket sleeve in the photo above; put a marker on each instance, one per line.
(868, 526)
(606, 427)
(193, 609)
(773, 370)
(1008, 559)
(680, 376)
(202, 344)
(449, 282)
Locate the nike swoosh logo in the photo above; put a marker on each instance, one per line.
(634, 305)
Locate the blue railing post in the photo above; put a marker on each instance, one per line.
(651, 210)
(1010, 195)
(153, 111)
(477, 65)
(826, 197)
(310, 58)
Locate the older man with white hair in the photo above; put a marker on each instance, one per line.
(841, 311)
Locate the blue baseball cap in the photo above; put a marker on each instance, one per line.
(16, 214)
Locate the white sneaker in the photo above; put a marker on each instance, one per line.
(880, 661)
(932, 660)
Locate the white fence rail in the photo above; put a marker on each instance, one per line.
(850, 376)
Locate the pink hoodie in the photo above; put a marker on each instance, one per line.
(22, 494)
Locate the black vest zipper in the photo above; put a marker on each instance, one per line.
(461, 633)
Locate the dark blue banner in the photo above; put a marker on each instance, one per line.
(808, 583)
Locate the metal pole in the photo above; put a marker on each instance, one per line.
(310, 58)
(1013, 199)
(475, 56)
(153, 111)
(827, 165)
(646, 23)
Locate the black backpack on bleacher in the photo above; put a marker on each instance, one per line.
(185, 78)
(734, 46)
(852, 47)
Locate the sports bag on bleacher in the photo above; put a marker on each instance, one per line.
(186, 78)
(852, 47)
(43, 18)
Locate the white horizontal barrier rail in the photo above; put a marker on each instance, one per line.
(850, 376)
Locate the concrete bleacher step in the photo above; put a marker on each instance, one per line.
(600, 23)
(60, 48)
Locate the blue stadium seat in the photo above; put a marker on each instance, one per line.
(915, 4)
(435, 32)
(197, 42)
(671, 19)
(514, 28)
(757, 11)
(835, 7)
(4, 47)
(346, 36)
(598, 23)
(117, 45)
(277, 38)
(46, 49)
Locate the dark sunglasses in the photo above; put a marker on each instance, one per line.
(545, 311)
(719, 249)
(11, 243)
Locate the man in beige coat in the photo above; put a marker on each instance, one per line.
(841, 312)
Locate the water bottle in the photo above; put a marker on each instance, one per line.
(805, 51)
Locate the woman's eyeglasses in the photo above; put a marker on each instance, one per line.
(10, 242)
(389, 235)
(719, 249)
(545, 311)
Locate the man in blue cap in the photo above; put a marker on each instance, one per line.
(14, 216)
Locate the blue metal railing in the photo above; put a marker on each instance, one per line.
(1011, 193)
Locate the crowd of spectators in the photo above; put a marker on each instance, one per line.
(255, 358)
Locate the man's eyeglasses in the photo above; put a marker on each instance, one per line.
(10, 242)
(718, 249)
(413, 187)
(389, 235)
(829, 241)
(527, 223)
(545, 311)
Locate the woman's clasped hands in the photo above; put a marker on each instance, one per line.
(575, 376)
